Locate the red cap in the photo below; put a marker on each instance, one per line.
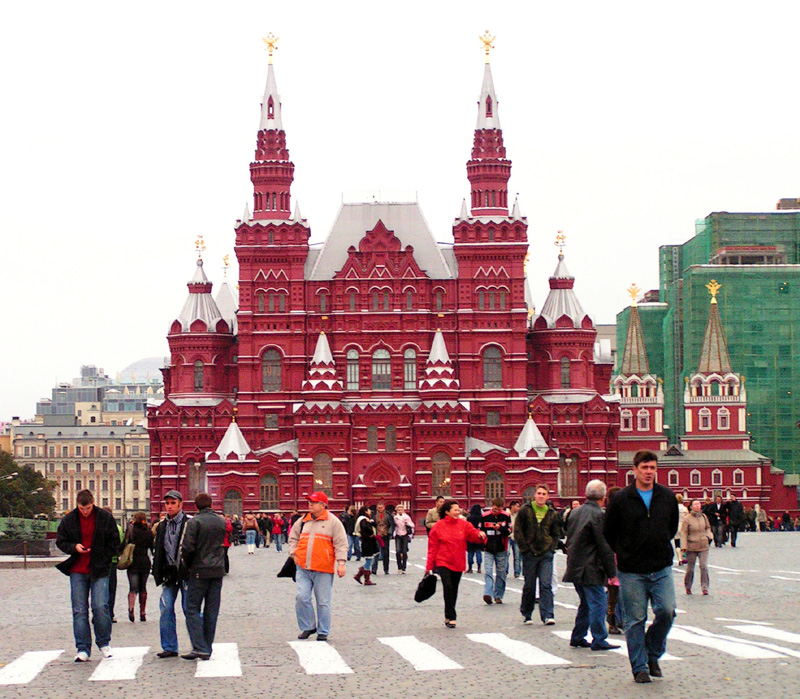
(318, 497)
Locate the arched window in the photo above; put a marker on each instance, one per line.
(672, 479)
(626, 421)
(440, 467)
(375, 301)
(352, 370)
(260, 301)
(643, 420)
(409, 300)
(488, 107)
(323, 303)
(271, 371)
(386, 299)
(381, 370)
(705, 419)
(716, 477)
(281, 302)
(491, 299)
(502, 299)
(723, 419)
(323, 473)
(271, 108)
(410, 370)
(492, 368)
(481, 300)
(197, 478)
(198, 375)
(269, 492)
(232, 503)
(391, 438)
(495, 486)
(694, 478)
(568, 475)
(372, 438)
(738, 477)
(439, 300)
(565, 377)
(353, 297)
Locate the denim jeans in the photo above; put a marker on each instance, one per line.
(473, 555)
(494, 573)
(166, 620)
(321, 585)
(537, 568)
(203, 596)
(635, 591)
(513, 547)
(383, 555)
(250, 537)
(591, 615)
(278, 539)
(81, 586)
(353, 547)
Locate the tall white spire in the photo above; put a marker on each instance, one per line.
(488, 114)
(271, 104)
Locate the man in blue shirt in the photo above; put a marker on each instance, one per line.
(641, 522)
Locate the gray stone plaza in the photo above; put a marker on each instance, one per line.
(743, 638)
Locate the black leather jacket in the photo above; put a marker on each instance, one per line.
(203, 550)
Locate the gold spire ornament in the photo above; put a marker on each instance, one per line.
(225, 265)
(713, 287)
(633, 292)
(271, 42)
(488, 43)
(200, 246)
(561, 239)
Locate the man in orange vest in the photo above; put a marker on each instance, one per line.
(318, 544)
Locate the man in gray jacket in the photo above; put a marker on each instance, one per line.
(590, 562)
(203, 558)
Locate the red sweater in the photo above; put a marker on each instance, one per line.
(447, 544)
(88, 525)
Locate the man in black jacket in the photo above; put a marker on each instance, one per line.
(166, 558)
(735, 518)
(203, 555)
(641, 522)
(717, 513)
(590, 563)
(90, 537)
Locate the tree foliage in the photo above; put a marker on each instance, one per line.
(20, 496)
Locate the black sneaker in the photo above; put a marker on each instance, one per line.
(655, 668)
(305, 634)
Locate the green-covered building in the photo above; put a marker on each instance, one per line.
(755, 257)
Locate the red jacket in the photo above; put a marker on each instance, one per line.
(447, 544)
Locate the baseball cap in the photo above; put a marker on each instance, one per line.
(318, 497)
(174, 494)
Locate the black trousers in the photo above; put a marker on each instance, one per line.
(450, 580)
(733, 532)
(112, 589)
(401, 546)
(384, 555)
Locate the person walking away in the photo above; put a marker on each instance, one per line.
(513, 509)
(403, 531)
(432, 515)
(538, 532)
(250, 532)
(203, 555)
(682, 512)
(718, 516)
(384, 524)
(696, 536)
(475, 550)
(318, 544)
(496, 524)
(166, 572)
(761, 518)
(89, 536)
(590, 563)
(349, 524)
(641, 521)
(365, 526)
(735, 519)
(227, 542)
(141, 536)
(447, 548)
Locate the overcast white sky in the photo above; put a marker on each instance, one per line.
(127, 129)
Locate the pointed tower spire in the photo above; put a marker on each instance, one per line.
(233, 442)
(322, 371)
(272, 172)
(439, 372)
(634, 357)
(516, 214)
(562, 301)
(714, 357)
(488, 169)
(297, 216)
(464, 215)
(531, 438)
(246, 214)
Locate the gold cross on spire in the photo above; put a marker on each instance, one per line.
(633, 292)
(271, 42)
(561, 239)
(200, 246)
(713, 287)
(488, 43)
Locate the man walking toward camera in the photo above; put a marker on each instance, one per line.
(641, 522)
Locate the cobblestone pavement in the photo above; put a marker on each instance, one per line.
(743, 638)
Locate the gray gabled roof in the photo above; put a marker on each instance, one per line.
(404, 219)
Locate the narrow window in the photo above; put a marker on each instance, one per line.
(375, 301)
(323, 473)
(409, 300)
(410, 370)
(565, 372)
(352, 370)
(372, 438)
(198, 375)
(439, 300)
(391, 438)
(271, 371)
(440, 467)
(381, 370)
(386, 300)
(352, 300)
(492, 368)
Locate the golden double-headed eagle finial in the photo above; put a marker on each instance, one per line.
(271, 41)
(561, 241)
(200, 246)
(488, 43)
(633, 292)
(713, 287)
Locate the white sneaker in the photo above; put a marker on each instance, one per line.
(549, 622)
(106, 651)
(82, 657)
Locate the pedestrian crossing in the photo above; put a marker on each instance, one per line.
(753, 641)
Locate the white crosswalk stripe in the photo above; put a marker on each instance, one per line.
(27, 666)
(122, 665)
(320, 658)
(422, 656)
(616, 640)
(734, 647)
(767, 632)
(224, 662)
(520, 651)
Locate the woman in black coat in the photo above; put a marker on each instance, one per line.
(474, 551)
(141, 536)
(365, 527)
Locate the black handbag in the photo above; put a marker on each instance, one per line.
(289, 569)
(426, 588)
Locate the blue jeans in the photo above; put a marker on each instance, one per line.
(278, 539)
(321, 584)
(353, 547)
(81, 586)
(166, 620)
(537, 568)
(591, 615)
(474, 555)
(495, 580)
(250, 537)
(383, 555)
(635, 591)
(514, 548)
(202, 623)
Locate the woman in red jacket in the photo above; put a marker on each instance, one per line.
(447, 553)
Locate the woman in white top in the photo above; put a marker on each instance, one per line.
(403, 529)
